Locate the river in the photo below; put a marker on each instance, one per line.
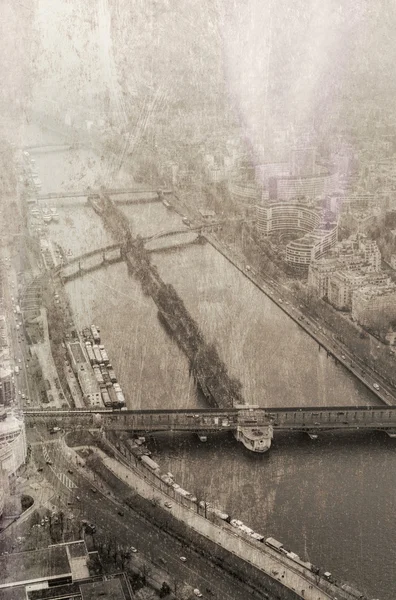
(330, 500)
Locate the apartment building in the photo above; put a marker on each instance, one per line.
(374, 306)
(342, 284)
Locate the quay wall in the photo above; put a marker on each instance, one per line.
(241, 568)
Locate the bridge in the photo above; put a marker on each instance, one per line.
(95, 259)
(139, 195)
(55, 147)
(246, 422)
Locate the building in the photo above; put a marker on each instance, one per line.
(59, 571)
(6, 369)
(291, 218)
(358, 253)
(84, 373)
(312, 246)
(372, 254)
(323, 181)
(245, 193)
(303, 161)
(342, 284)
(374, 306)
(13, 446)
(286, 218)
(4, 490)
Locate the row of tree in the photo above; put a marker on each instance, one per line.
(206, 364)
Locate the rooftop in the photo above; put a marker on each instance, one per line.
(15, 593)
(9, 425)
(77, 352)
(105, 590)
(375, 291)
(35, 565)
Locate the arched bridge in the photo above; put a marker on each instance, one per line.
(114, 253)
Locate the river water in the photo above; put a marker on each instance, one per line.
(332, 500)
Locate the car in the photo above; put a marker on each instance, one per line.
(168, 505)
(376, 386)
(183, 559)
(40, 469)
(343, 356)
(78, 498)
(120, 512)
(70, 471)
(133, 549)
(197, 593)
(49, 462)
(93, 490)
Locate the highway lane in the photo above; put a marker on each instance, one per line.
(132, 530)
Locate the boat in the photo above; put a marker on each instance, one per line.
(94, 201)
(254, 438)
(202, 438)
(54, 215)
(47, 216)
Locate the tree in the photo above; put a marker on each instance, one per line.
(146, 572)
(165, 590)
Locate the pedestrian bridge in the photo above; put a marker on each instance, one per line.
(253, 426)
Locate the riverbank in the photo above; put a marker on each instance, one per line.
(292, 311)
(242, 558)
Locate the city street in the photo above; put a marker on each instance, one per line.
(132, 530)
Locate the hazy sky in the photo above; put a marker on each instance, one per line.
(280, 63)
